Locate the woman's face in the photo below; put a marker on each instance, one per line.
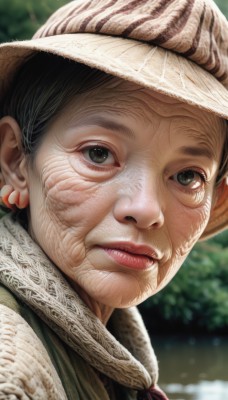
(121, 188)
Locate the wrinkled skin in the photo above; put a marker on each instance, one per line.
(155, 187)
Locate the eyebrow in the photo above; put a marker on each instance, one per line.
(110, 124)
(106, 123)
(201, 151)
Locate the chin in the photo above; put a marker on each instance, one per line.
(122, 299)
(117, 289)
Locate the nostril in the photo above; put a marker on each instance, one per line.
(129, 218)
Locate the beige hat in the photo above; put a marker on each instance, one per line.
(175, 47)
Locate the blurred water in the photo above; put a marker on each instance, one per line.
(193, 368)
(203, 390)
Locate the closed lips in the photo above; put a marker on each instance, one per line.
(131, 256)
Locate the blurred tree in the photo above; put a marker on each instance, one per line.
(21, 18)
(223, 5)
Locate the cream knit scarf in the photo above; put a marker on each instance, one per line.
(127, 358)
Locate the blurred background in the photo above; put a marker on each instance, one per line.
(188, 320)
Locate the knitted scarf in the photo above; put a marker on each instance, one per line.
(127, 358)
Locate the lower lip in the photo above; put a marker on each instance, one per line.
(129, 260)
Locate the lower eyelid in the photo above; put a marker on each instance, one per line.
(187, 190)
(192, 191)
(106, 169)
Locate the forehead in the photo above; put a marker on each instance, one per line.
(134, 105)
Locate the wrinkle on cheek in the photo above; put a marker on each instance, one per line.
(167, 272)
(149, 286)
(196, 220)
(64, 189)
(68, 194)
(197, 224)
(74, 250)
(64, 245)
(185, 239)
(63, 199)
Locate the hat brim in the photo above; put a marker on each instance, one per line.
(149, 66)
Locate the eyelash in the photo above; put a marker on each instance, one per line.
(186, 189)
(98, 165)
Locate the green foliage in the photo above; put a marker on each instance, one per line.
(223, 5)
(21, 18)
(197, 298)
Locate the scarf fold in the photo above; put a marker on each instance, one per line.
(32, 277)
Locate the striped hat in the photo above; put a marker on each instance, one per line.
(175, 47)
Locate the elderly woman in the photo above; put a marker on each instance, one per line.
(113, 165)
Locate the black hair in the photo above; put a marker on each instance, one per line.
(41, 89)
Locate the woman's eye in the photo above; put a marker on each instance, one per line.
(190, 178)
(99, 155)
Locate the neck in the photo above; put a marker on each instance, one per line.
(102, 311)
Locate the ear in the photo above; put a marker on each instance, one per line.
(13, 160)
(221, 193)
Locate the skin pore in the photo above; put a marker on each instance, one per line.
(120, 189)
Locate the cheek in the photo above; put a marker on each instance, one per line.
(188, 225)
(185, 229)
(66, 204)
(67, 196)
(63, 187)
(56, 198)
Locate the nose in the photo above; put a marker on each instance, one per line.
(140, 204)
